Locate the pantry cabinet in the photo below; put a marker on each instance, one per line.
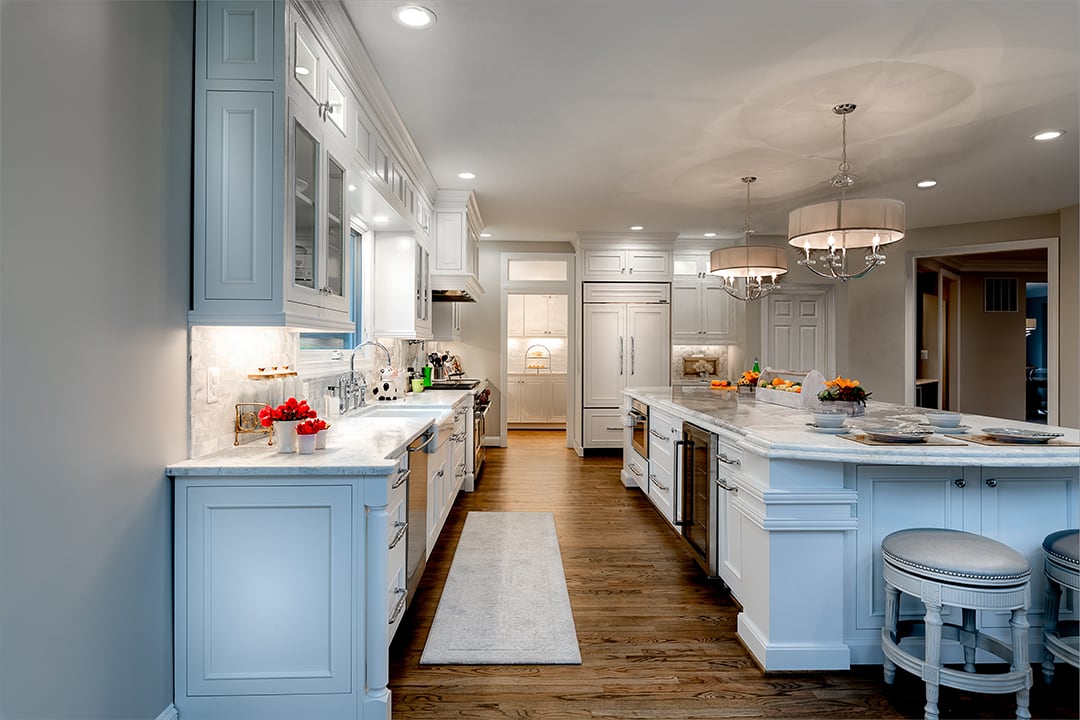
(701, 312)
(536, 315)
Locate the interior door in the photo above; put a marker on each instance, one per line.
(796, 332)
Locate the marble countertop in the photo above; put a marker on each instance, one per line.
(356, 445)
(779, 432)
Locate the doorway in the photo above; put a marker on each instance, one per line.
(972, 314)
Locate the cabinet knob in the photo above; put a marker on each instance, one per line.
(991, 482)
(959, 482)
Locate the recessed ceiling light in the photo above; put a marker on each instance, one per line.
(301, 70)
(1046, 135)
(637, 227)
(485, 235)
(710, 234)
(467, 175)
(926, 183)
(414, 16)
(380, 219)
(352, 188)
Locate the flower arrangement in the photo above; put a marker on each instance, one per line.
(310, 427)
(749, 377)
(844, 389)
(291, 409)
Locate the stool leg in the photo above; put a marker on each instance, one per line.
(1020, 625)
(931, 671)
(1050, 619)
(969, 650)
(892, 617)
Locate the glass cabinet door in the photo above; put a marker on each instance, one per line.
(305, 197)
(335, 231)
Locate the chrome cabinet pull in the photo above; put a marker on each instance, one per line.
(722, 484)
(634, 468)
(633, 354)
(722, 457)
(402, 528)
(399, 607)
(620, 355)
(403, 475)
(614, 427)
(991, 482)
(658, 484)
(657, 435)
(959, 482)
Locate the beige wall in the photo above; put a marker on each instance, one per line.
(1069, 307)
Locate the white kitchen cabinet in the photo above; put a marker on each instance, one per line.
(701, 312)
(536, 315)
(625, 345)
(287, 590)
(695, 265)
(730, 521)
(664, 431)
(601, 427)
(440, 476)
(402, 292)
(536, 398)
(446, 321)
(646, 265)
(456, 264)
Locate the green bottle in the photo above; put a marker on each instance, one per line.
(757, 368)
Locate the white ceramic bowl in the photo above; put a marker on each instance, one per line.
(944, 419)
(828, 419)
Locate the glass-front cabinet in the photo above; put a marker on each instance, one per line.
(320, 253)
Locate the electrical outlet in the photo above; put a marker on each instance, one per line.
(213, 385)
(924, 354)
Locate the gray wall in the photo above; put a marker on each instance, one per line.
(95, 132)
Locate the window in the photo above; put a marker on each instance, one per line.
(319, 341)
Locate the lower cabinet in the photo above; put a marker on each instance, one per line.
(536, 398)
(287, 591)
(664, 431)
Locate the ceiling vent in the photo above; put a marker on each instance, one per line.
(1000, 295)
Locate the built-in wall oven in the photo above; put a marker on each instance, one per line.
(697, 496)
(639, 427)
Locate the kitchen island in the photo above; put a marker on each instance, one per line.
(290, 570)
(800, 515)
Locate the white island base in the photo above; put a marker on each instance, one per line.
(799, 534)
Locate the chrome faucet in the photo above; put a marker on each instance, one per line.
(352, 389)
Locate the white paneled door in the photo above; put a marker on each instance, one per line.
(797, 330)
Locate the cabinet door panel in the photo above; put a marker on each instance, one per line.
(649, 263)
(558, 399)
(535, 315)
(598, 262)
(240, 40)
(269, 592)
(557, 315)
(649, 362)
(717, 313)
(537, 406)
(239, 195)
(515, 314)
(685, 311)
(605, 355)
(334, 269)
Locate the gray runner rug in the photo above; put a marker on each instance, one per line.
(505, 599)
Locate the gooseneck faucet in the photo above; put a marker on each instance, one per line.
(352, 390)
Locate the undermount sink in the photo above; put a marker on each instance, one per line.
(397, 411)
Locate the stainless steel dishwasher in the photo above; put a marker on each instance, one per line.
(416, 540)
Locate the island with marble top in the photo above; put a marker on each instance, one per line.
(290, 570)
(800, 515)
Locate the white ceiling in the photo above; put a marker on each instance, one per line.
(595, 115)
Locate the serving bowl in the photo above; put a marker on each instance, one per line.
(828, 419)
(944, 419)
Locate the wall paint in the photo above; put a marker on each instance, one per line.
(1069, 314)
(96, 241)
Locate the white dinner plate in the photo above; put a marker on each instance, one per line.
(1020, 435)
(827, 430)
(957, 430)
(896, 435)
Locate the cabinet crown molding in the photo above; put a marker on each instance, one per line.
(625, 240)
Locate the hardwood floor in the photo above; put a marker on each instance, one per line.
(657, 639)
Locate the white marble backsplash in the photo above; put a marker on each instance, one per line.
(679, 352)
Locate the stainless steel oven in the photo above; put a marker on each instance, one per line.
(639, 427)
(696, 495)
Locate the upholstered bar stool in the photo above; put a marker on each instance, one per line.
(1062, 552)
(959, 569)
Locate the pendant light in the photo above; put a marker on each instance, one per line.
(749, 271)
(827, 231)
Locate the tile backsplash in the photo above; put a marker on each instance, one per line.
(237, 351)
(680, 352)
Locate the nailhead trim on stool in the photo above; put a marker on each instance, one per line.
(1062, 552)
(959, 569)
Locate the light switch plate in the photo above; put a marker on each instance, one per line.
(213, 385)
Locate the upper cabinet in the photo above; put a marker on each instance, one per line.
(701, 311)
(457, 244)
(285, 156)
(536, 315)
(626, 265)
(402, 293)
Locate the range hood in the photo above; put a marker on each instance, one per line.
(455, 288)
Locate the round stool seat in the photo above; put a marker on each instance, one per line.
(955, 556)
(1064, 546)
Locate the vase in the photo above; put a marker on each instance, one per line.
(320, 439)
(285, 430)
(848, 407)
(306, 443)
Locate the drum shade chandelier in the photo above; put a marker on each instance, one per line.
(827, 231)
(744, 268)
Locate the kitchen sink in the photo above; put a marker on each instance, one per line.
(396, 411)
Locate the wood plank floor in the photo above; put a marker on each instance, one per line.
(657, 639)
